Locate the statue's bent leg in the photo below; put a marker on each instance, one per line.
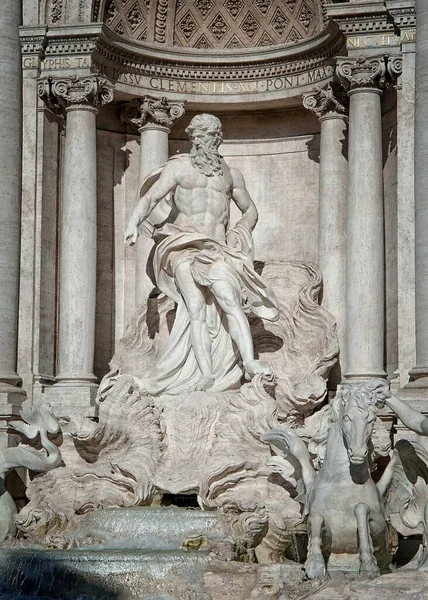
(195, 301)
(368, 564)
(315, 564)
(228, 300)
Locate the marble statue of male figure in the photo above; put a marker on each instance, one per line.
(205, 266)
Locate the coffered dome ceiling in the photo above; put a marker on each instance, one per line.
(216, 24)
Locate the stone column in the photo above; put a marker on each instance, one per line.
(324, 103)
(153, 119)
(419, 373)
(80, 98)
(365, 293)
(10, 189)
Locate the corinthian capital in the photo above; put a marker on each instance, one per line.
(159, 111)
(329, 100)
(363, 72)
(75, 92)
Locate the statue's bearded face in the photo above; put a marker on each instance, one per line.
(204, 154)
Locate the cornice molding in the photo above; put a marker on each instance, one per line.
(144, 59)
(109, 49)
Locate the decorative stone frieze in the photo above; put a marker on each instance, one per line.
(91, 92)
(329, 99)
(149, 109)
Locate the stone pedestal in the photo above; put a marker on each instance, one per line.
(332, 210)
(365, 294)
(153, 118)
(10, 189)
(80, 98)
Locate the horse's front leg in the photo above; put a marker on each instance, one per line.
(368, 564)
(315, 564)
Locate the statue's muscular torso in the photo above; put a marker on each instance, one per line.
(202, 202)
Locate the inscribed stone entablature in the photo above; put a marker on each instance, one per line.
(143, 68)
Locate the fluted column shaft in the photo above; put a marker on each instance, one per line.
(10, 188)
(420, 372)
(153, 118)
(78, 236)
(332, 209)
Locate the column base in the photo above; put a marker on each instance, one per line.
(76, 379)
(416, 397)
(8, 380)
(360, 374)
(418, 378)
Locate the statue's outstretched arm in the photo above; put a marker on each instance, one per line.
(243, 200)
(165, 184)
(411, 418)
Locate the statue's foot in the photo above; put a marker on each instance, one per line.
(204, 383)
(315, 567)
(369, 568)
(254, 367)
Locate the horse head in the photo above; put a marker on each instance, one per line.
(355, 409)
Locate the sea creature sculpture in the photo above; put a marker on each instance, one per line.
(344, 505)
(34, 422)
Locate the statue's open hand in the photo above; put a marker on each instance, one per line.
(131, 234)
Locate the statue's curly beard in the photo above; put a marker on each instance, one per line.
(206, 158)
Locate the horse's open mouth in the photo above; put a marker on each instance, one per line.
(357, 460)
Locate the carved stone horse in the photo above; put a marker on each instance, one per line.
(344, 505)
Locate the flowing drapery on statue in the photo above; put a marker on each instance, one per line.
(209, 261)
(204, 266)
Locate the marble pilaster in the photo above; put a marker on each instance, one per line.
(419, 373)
(325, 104)
(152, 118)
(80, 98)
(365, 293)
(10, 189)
